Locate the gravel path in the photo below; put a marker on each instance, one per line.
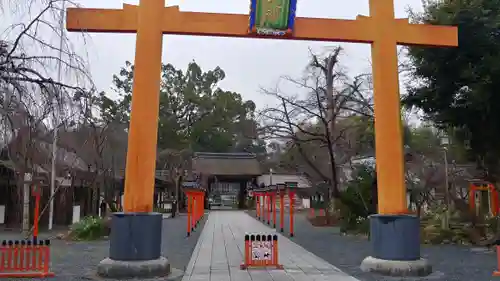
(73, 261)
(450, 263)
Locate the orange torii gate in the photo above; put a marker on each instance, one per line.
(195, 207)
(266, 202)
(151, 19)
(262, 205)
(479, 185)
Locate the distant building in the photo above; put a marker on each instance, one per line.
(226, 176)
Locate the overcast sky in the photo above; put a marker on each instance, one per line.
(249, 63)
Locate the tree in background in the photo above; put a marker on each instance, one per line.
(456, 88)
(30, 54)
(196, 114)
(100, 138)
(318, 128)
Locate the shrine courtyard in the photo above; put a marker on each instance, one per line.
(214, 252)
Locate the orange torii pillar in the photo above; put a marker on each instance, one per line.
(195, 207)
(483, 186)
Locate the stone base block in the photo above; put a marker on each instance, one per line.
(416, 268)
(135, 236)
(109, 268)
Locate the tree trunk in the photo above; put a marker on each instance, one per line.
(95, 201)
(27, 178)
(16, 203)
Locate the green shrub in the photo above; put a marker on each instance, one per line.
(433, 232)
(160, 210)
(363, 225)
(355, 201)
(89, 228)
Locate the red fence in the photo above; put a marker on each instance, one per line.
(25, 258)
(261, 250)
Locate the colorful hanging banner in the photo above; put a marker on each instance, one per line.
(272, 17)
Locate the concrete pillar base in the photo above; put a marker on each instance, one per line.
(109, 268)
(395, 243)
(415, 268)
(135, 248)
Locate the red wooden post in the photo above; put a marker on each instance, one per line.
(248, 252)
(268, 206)
(193, 211)
(203, 205)
(264, 207)
(274, 208)
(257, 205)
(3, 254)
(188, 225)
(36, 193)
(282, 210)
(291, 196)
(472, 198)
(493, 199)
(197, 208)
(200, 205)
(497, 272)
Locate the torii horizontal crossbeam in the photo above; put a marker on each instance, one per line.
(236, 25)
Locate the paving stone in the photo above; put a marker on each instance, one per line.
(221, 250)
(450, 262)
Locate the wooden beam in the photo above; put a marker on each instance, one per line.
(233, 25)
(236, 25)
(427, 35)
(212, 24)
(417, 34)
(102, 20)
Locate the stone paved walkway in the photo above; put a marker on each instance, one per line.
(219, 253)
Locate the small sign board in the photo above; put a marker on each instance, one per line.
(272, 17)
(262, 250)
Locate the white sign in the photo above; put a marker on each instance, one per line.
(262, 250)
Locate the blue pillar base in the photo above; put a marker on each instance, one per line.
(135, 247)
(135, 236)
(395, 243)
